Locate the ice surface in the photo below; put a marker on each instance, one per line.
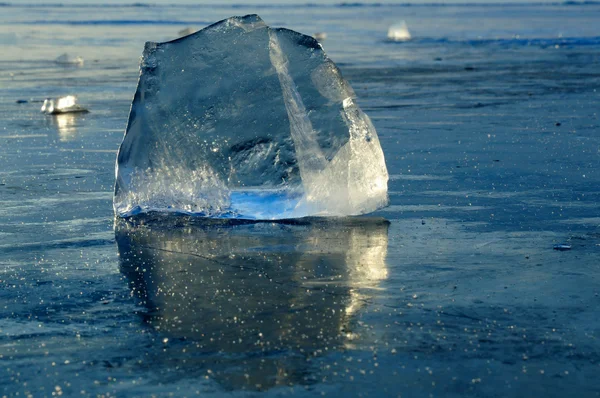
(240, 120)
(399, 32)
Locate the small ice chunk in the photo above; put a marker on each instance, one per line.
(562, 247)
(66, 59)
(320, 36)
(399, 32)
(67, 104)
(241, 120)
(186, 32)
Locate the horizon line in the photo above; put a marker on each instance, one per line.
(306, 4)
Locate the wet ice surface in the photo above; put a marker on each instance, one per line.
(459, 293)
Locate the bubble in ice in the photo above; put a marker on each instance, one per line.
(399, 32)
(240, 120)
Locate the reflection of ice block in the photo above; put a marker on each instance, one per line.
(399, 32)
(67, 104)
(66, 59)
(244, 121)
(246, 292)
(66, 126)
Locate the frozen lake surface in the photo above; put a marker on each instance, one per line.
(488, 119)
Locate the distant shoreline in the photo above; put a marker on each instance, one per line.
(284, 4)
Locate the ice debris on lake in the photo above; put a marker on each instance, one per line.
(562, 247)
(399, 32)
(66, 104)
(186, 32)
(240, 120)
(320, 36)
(66, 59)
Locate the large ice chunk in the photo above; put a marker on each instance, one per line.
(244, 121)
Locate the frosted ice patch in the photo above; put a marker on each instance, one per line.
(240, 120)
